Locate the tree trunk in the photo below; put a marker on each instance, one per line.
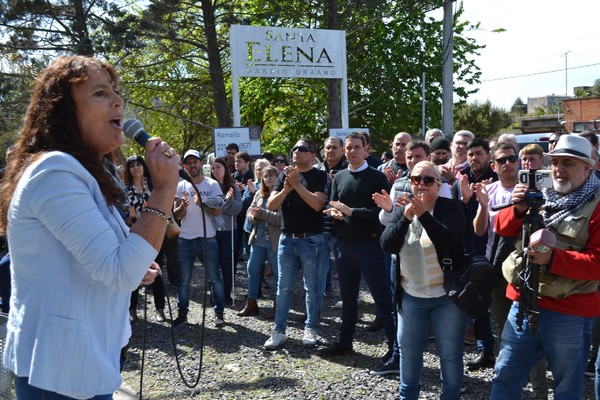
(214, 65)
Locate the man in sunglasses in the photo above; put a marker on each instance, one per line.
(505, 163)
(300, 193)
(357, 227)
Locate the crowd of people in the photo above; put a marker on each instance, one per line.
(394, 221)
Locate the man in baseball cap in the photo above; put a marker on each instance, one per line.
(197, 237)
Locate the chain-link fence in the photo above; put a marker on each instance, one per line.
(5, 374)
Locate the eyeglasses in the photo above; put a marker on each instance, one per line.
(552, 141)
(417, 179)
(279, 160)
(461, 143)
(510, 159)
(302, 149)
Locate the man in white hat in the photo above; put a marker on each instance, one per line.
(197, 236)
(569, 273)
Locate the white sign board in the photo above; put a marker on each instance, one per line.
(342, 133)
(273, 52)
(270, 52)
(247, 139)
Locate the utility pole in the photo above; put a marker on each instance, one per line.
(566, 73)
(448, 71)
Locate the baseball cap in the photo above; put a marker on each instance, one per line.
(194, 153)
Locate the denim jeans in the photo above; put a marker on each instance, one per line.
(448, 323)
(258, 255)
(564, 340)
(25, 391)
(187, 251)
(597, 377)
(292, 254)
(366, 259)
(226, 257)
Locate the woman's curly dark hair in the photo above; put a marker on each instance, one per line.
(129, 179)
(51, 123)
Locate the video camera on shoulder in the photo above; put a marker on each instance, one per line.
(541, 178)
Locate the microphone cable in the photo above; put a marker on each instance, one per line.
(168, 300)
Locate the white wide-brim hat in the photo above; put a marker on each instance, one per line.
(573, 146)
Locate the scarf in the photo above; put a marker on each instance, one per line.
(557, 207)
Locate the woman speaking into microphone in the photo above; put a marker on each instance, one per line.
(74, 262)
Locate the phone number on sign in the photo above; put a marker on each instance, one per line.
(221, 147)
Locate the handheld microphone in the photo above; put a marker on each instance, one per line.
(134, 130)
(542, 241)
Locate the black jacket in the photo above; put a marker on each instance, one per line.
(445, 229)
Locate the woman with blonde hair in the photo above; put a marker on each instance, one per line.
(423, 232)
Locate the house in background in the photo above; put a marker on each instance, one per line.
(582, 114)
(550, 104)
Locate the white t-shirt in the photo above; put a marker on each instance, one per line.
(498, 195)
(192, 222)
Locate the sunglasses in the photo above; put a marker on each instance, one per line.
(279, 160)
(552, 141)
(510, 159)
(417, 179)
(302, 149)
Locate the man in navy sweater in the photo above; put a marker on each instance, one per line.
(356, 225)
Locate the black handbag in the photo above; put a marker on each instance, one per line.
(470, 287)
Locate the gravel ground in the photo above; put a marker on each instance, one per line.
(235, 366)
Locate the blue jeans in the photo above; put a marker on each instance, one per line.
(25, 391)
(564, 340)
(448, 323)
(366, 259)
(292, 254)
(187, 251)
(597, 377)
(226, 257)
(258, 255)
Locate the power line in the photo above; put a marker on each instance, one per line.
(537, 73)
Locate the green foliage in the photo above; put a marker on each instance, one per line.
(589, 92)
(482, 119)
(174, 61)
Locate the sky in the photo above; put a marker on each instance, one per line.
(538, 34)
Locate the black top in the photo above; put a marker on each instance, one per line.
(299, 217)
(243, 178)
(445, 228)
(355, 189)
(373, 161)
(473, 244)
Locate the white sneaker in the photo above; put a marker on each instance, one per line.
(276, 340)
(310, 338)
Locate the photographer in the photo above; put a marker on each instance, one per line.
(569, 273)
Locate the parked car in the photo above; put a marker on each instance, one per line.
(536, 138)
